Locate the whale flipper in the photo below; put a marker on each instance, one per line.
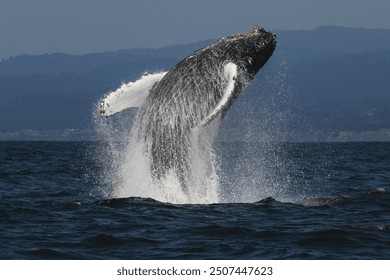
(129, 95)
(230, 75)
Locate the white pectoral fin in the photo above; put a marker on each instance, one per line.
(128, 95)
(230, 74)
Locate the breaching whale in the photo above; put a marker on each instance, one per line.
(180, 110)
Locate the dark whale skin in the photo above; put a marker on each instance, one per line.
(189, 92)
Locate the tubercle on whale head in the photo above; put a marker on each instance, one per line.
(255, 30)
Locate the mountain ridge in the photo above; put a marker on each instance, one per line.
(337, 87)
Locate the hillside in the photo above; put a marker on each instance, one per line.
(326, 84)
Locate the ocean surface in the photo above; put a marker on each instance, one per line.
(278, 201)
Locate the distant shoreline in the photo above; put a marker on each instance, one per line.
(382, 135)
(312, 90)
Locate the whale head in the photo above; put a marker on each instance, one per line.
(250, 51)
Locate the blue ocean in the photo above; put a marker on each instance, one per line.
(280, 201)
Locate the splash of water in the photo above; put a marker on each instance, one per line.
(127, 165)
(260, 166)
(134, 176)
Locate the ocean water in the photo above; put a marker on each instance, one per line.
(277, 201)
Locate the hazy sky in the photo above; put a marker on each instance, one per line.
(83, 26)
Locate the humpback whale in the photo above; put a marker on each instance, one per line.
(180, 110)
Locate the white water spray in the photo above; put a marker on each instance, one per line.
(128, 172)
(127, 163)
